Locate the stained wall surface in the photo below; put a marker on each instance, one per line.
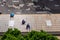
(37, 22)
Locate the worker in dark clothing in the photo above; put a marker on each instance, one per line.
(23, 22)
(27, 26)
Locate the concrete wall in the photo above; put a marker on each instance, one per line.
(36, 21)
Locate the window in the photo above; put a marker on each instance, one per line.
(11, 22)
(48, 23)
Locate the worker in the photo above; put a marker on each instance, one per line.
(12, 14)
(27, 26)
(23, 22)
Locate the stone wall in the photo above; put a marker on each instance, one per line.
(37, 22)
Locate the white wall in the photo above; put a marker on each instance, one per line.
(36, 21)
